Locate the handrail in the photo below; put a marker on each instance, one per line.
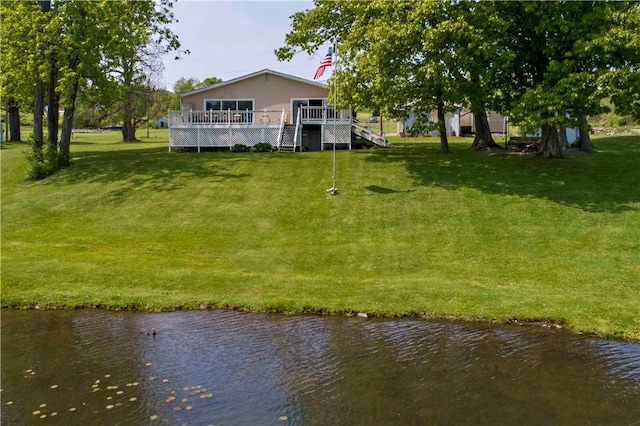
(281, 130)
(298, 128)
(365, 132)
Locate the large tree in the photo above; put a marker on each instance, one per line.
(461, 41)
(24, 44)
(60, 48)
(564, 54)
(139, 36)
(533, 60)
(79, 54)
(427, 55)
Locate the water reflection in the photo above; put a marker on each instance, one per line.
(231, 368)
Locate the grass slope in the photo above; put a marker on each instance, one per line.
(413, 231)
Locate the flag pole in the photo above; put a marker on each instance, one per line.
(334, 188)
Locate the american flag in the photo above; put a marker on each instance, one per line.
(326, 62)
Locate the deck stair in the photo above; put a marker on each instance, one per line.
(365, 133)
(288, 143)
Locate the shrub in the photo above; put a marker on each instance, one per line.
(45, 164)
(240, 147)
(45, 161)
(262, 147)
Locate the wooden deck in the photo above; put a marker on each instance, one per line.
(224, 129)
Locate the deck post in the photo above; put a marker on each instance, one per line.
(168, 125)
(230, 131)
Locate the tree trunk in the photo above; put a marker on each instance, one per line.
(562, 132)
(53, 100)
(128, 126)
(550, 147)
(128, 131)
(13, 111)
(38, 113)
(442, 128)
(45, 5)
(69, 113)
(583, 130)
(483, 138)
(65, 137)
(38, 103)
(562, 137)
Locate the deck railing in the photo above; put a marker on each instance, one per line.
(265, 118)
(312, 114)
(228, 118)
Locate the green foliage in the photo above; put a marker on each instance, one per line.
(397, 53)
(262, 147)
(45, 162)
(22, 46)
(529, 60)
(240, 147)
(109, 49)
(183, 85)
(620, 44)
(571, 66)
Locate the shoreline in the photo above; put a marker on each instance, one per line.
(545, 323)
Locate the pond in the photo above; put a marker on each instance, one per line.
(233, 368)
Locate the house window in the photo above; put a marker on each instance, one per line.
(241, 110)
(214, 105)
(232, 105)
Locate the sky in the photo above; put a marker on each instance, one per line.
(229, 39)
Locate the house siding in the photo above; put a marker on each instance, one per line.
(268, 91)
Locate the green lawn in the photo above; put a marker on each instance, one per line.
(412, 232)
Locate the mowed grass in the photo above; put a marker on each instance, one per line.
(413, 232)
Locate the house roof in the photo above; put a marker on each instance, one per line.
(245, 77)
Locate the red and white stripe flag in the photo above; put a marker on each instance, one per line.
(326, 62)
